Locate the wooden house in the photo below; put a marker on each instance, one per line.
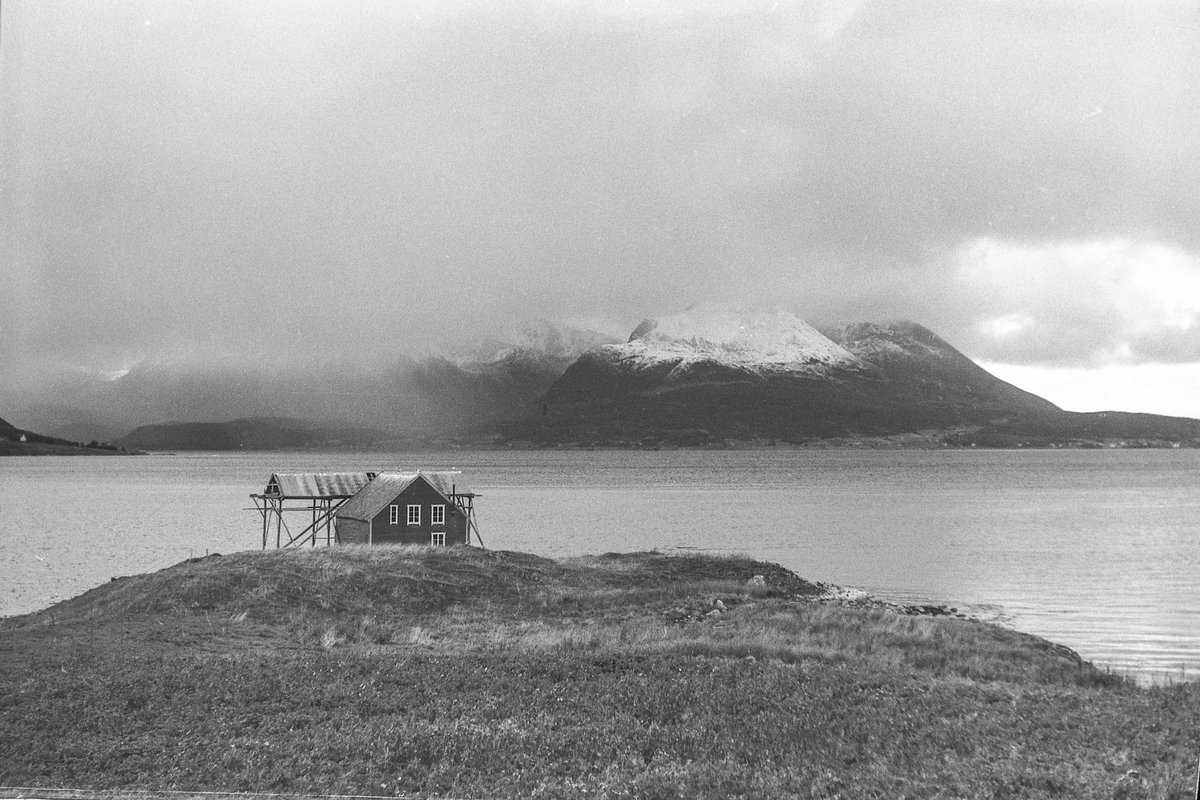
(408, 508)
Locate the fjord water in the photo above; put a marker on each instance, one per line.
(1096, 549)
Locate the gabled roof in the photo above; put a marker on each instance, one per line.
(317, 484)
(380, 492)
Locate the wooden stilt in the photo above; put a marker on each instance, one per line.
(261, 505)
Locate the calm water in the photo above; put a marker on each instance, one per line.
(1098, 550)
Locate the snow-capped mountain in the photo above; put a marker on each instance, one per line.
(714, 375)
(756, 342)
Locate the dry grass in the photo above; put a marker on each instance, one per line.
(277, 585)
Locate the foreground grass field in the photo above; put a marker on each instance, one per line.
(465, 673)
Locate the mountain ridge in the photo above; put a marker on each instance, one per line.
(712, 333)
(710, 376)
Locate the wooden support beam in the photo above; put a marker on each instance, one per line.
(261, 507)
(321, 517)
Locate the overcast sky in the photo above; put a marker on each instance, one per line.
(331, 177)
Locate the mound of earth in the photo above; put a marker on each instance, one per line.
(276, 585)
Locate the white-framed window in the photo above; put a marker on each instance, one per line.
(438, 539)
(414, 515)
(394, 515)
(437, 515)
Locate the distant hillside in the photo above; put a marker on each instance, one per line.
(501, 377)
(17, 442)
(262, 433)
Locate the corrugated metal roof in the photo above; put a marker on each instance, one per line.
(318, 484)
(383, 490)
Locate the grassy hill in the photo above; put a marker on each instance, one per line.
(17, 442)
(468, 673)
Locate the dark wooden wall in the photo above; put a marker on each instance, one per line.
(421, 493)
(352, 531)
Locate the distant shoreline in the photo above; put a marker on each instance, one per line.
(835, 444)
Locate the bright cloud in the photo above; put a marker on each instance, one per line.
(1094, 302)
(1006, 325)
(1171, 389)
(1171, 282)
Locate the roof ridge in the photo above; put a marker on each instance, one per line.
(377, 494)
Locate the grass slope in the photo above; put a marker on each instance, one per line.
(467, 673)
(15, 441)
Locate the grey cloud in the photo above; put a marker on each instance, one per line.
(313, 176)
